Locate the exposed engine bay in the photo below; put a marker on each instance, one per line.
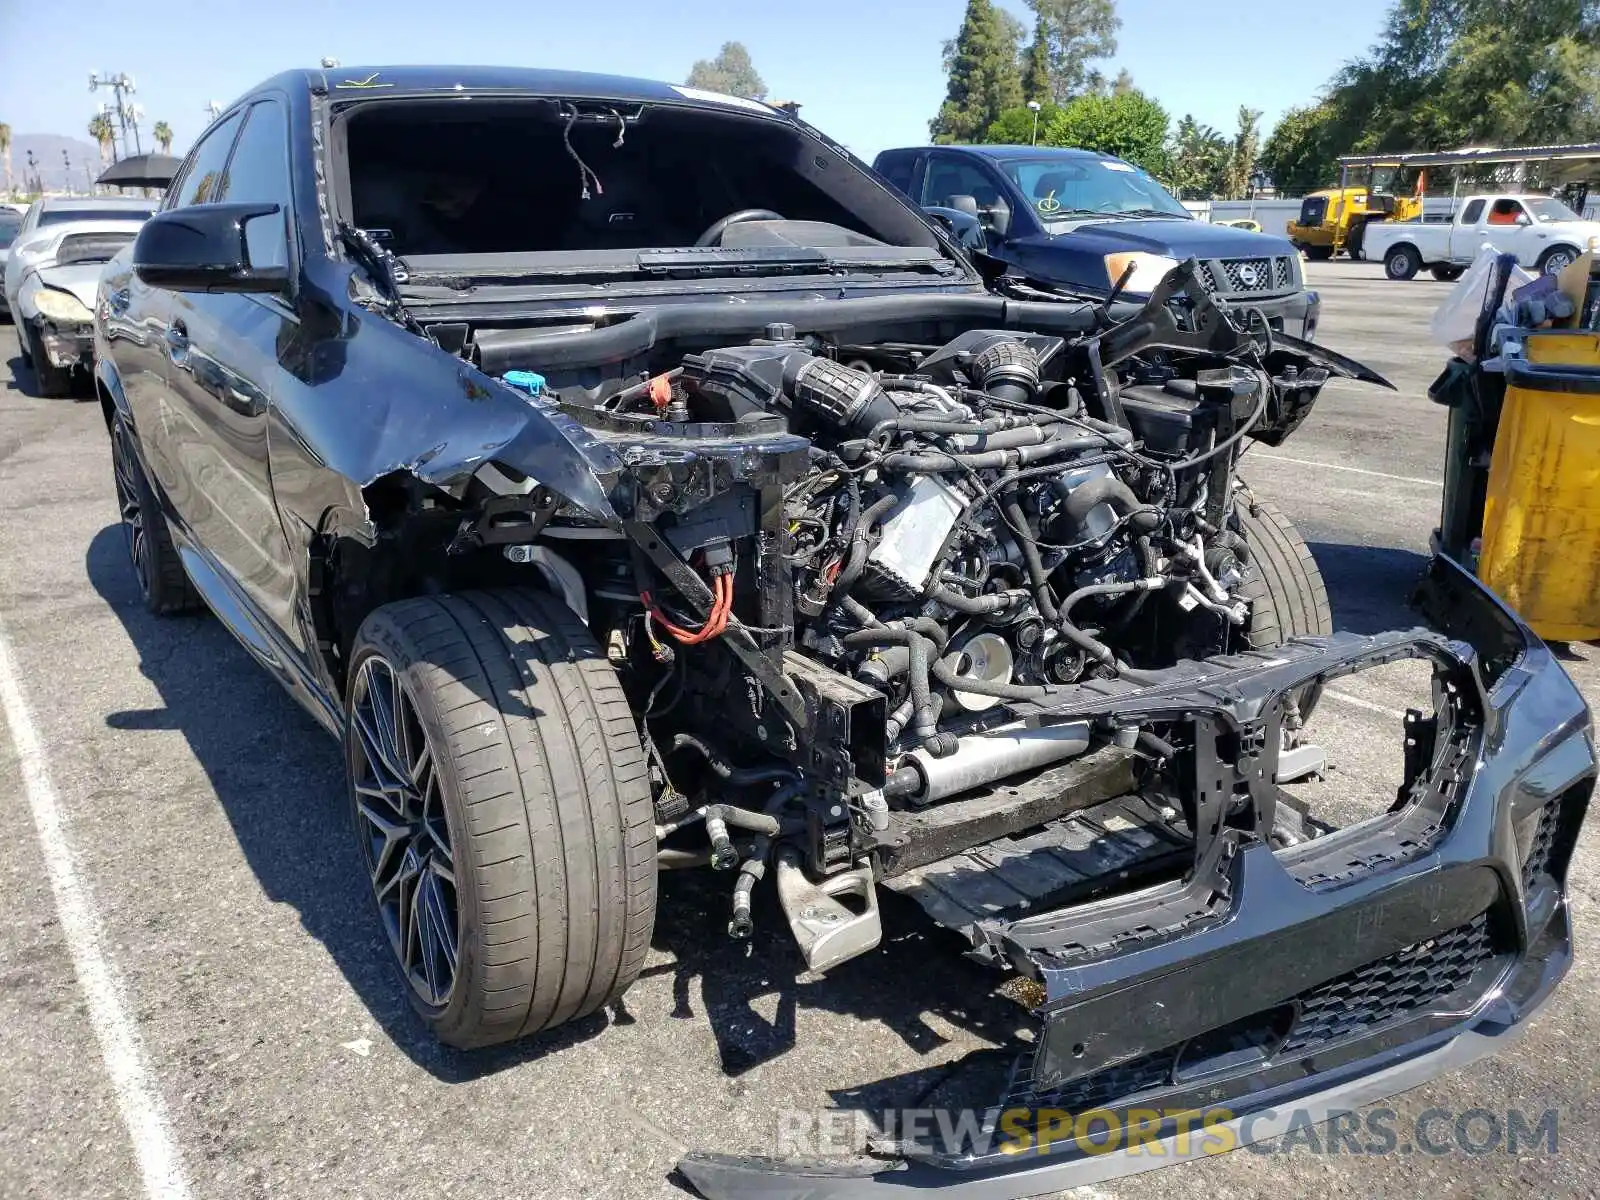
(856, 580)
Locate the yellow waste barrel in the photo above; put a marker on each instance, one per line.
(1541, 519)
(1563, 347)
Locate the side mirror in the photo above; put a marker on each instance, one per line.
(1523, 218)
(964, 227)
(205, 248)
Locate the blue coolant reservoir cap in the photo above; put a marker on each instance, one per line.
(528, 381)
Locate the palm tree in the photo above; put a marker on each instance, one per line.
(101, 130)
(5, 152)
(163, 136)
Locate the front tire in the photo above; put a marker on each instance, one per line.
(503, 809)
(1287, 596)
(1319, 253)
(1556, 260)
(50, 381)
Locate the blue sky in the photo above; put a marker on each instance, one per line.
(867, 73)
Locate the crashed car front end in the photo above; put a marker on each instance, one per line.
(1282, 979)
(952, 590)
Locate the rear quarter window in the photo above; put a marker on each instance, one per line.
(898, 170)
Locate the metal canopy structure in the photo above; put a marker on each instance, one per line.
(1477, 156)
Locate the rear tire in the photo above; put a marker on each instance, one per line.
(1402, 262)
(535, 801)
(1447, 274)
(1287, 596)
(50, 381)
(163, 583)
(1319, 253)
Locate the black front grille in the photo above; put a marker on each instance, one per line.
(1401, 984)
(1544, 843)
(1404, 982)
(1100, 1090)
(1248, 274)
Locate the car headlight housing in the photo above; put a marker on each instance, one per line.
(1148, 270)
(62, 307)
(1594, 242)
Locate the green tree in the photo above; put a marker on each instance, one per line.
(1242, 154)
(1036, 64)
(5, 153)
(105, 136)
(1300, 155)
(983, 79)
(1131, 126)
(1015, 126)
(1447, 73)
(1081, 32)
(163, 135)
(731, 72)
(1199, 158)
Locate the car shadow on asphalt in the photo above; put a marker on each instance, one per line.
(1370, 587)
(280, 780)
(916, 986)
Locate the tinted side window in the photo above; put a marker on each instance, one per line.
(258, 172)
(897, 168)
(1473, 213)
(202, 177)
(949, 177)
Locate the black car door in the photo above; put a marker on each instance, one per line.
(223, 369)
(957, 181)
(143, 341)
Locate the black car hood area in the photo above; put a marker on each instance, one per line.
(1175, 238)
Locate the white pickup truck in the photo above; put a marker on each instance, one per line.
(1543, 233)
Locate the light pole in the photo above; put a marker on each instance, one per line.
(1034, 105)
(66, 163)
(213, 110)
(121, 85)
(1258, 180)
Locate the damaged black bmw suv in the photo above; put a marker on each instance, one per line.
(634, 481)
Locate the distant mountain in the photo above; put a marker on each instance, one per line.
(51, 169)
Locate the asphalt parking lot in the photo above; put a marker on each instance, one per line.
(202, 817)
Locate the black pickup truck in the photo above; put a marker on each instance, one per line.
(1078, 220)
(673, 494)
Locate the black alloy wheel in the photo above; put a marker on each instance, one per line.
(131, 507)
(403, 831)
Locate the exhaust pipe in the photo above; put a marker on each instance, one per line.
(982, 758)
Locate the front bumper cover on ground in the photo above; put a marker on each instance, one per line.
(1397, 949)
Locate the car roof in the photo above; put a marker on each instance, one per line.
(1002, 153)
(95, 204)
(377, 81)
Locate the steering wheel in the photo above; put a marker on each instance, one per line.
(714, 235)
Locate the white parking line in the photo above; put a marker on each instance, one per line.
(142, 1111)
(1327, 466)
(1368, 705)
